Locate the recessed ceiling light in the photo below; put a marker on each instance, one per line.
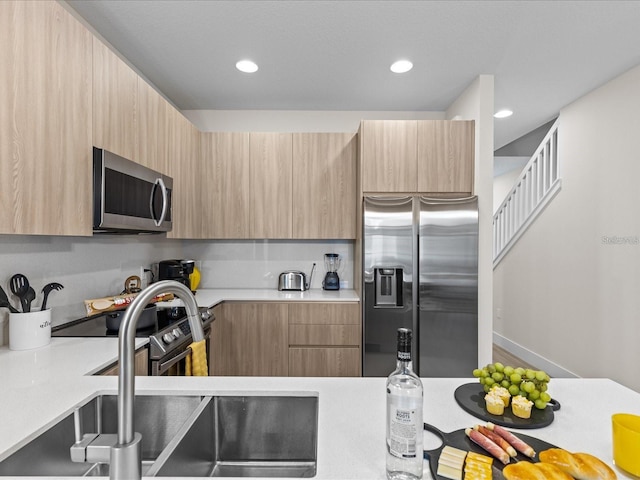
(247, 66)
(401, 66)
(503, 113)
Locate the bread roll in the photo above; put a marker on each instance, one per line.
(581, 466)
(534, 471)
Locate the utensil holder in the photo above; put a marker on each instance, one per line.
(29, 330)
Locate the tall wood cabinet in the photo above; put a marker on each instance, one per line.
(407, 156)
(115, 98)
(270, 185)
(225, 185)
(155, 125)
(45, 120)
(324, 186)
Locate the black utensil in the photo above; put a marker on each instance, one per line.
(4, 301)
(20, 287)
(47, 290)
(27, 299)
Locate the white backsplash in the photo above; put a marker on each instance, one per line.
(258, 263)
(95, 267)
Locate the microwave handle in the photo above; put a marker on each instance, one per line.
(165, 201)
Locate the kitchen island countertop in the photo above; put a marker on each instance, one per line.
(40, 386)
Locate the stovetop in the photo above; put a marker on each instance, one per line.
(171, 330)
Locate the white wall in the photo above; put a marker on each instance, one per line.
(570, 288)
(90, 267)
(476, 103)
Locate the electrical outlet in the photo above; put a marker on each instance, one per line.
(144, 276)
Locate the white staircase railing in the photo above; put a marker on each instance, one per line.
(536, 186)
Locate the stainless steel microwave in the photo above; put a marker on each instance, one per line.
(129, 197)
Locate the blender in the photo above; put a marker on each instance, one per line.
(331, 264)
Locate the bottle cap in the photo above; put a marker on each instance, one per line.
(404, 344)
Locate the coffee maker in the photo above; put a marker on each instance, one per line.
(178, 270)
(331, 264)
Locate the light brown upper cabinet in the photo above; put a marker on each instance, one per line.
(324, 185)
(446, 156)
(45, 121)
(225, 185)
(389, 155)
(115, 92)
(153, 128)
(270, 185)
(183, 151)
(426, 156)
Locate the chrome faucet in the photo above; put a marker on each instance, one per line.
(124, 453)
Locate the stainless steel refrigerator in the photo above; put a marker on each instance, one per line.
(420, 271)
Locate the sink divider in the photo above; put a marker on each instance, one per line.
(175, 441)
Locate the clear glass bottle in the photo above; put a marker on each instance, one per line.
(404, 416)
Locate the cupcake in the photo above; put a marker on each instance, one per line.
(521, 407)
(503, 393)
(494, 403)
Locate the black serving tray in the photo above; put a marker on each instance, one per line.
(459, 439)
(470, 397)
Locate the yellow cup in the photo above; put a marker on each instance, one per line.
(626, 442)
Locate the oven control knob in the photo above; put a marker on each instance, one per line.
(176, 332)
(206, 315)
(168, 338)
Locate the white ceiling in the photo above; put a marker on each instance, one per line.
(335, 55)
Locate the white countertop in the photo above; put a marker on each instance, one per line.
(40, 386)
(212, 297)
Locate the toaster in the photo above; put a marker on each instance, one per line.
(295, 280)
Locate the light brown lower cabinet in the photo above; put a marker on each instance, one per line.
(324, 362)
(141, 364)
(286, 339)
(250, 339)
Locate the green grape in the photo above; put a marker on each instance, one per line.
(486, 388)
(543, 387)
(534, 395)
(520, 371)
(508, 371)
(491, 369)
(541, 376)
(505, 383)
(485, 372)
(514, 390)
(497, 376)
(522, 393)
(540, 404)
(528, 387)
(477, 372)
(499, 367)
(545, 397)
(530, 374)
(516, 379)
(489, 381)
(547, 378)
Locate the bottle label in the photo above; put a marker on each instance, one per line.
(403, 431)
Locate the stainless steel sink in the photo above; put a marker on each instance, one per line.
(157, 417)
(189, 436)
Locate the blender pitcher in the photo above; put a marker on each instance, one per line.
(331, 264)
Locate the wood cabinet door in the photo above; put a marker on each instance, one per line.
(332, 313)
(188, 210)
(324, 185)
(115, 92)
(225, 185)
(389, 155)
(250, 339)
(153, 128)
(140, 365)
(270, 185)
(446, 156)
(45, 121)
(324, 362)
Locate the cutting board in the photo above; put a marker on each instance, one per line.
(459, 439)
(470, 397)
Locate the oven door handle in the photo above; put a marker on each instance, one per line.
(164, 366)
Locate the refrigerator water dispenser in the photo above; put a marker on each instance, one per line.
(388, 283)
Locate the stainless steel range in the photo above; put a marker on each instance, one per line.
(169, 336)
